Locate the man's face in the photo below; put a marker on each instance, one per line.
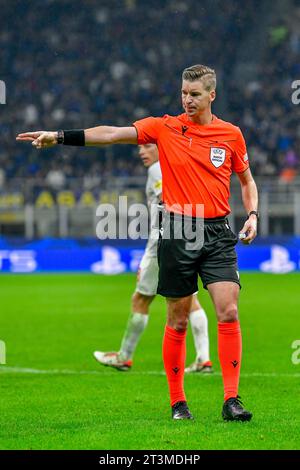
(195, 99)
(149, 154)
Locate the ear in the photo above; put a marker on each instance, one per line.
(213, 95)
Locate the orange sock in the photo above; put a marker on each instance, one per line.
(230, 356)
(174, 361)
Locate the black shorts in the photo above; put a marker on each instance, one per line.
(214, 259)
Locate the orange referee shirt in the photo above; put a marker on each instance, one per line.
(196, 161)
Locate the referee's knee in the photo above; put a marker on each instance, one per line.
(228, 314)
(179, 324)
(178, 313)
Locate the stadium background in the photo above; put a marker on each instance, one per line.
(71, 64)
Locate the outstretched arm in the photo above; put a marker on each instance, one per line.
(95, 136)
(107, 135)
(250, 201)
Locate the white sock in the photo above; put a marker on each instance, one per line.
(199, 326)
(136, 324)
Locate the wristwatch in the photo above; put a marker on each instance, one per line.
(255, 213)
(60, 137)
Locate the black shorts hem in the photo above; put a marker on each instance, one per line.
(221, 280)
(177, 295)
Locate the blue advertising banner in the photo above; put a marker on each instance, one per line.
(271, 255)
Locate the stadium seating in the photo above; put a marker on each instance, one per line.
(116, 62)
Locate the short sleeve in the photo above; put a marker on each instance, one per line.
(148, 130)
(240, 156)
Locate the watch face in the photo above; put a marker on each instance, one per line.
(60, 137)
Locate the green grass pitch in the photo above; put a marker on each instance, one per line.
(54, 395)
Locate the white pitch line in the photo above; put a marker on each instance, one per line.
(26, 370)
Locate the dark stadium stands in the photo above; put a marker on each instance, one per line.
(76, 64)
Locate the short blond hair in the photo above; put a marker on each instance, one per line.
(203, 73)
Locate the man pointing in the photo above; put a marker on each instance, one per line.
(197, 154)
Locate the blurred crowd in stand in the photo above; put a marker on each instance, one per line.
(69, 64)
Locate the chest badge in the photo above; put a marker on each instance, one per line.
(217, 156)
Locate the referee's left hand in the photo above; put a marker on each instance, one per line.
(249, 229)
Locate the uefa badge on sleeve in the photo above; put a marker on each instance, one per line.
(217, 156)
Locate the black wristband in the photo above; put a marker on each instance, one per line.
(255, 213)
(74, 137)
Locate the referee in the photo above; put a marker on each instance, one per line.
(198, 153)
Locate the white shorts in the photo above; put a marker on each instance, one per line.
(147, 276)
